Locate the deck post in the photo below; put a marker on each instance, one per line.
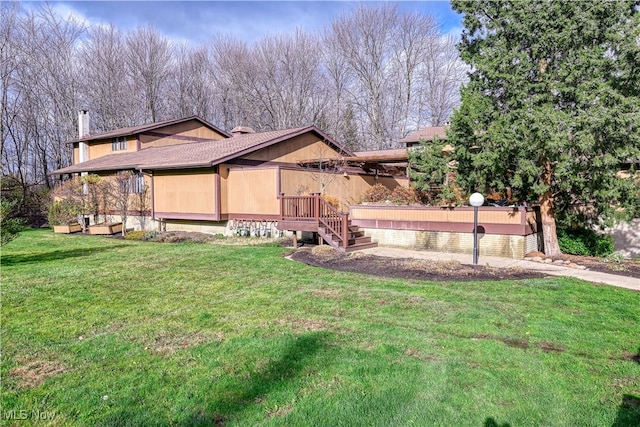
(281, 197)
(316, 207)
(345, 231)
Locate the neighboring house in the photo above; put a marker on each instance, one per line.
(200, 176)
(426, 134)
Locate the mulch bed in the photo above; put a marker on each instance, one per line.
(409, 268)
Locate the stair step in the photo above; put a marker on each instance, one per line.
(359, 240)
(356, 241)
(361, 246)
(353, 240)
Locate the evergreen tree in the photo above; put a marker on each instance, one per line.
(552, 108)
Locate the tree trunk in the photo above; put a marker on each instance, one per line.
(549, 234)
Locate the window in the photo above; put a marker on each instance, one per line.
(137, 183)
(119, 143)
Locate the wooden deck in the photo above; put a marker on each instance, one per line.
(314, 214)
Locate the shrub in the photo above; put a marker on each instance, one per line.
(376, 194)
(332, 200)
(404, 196)
(584, 241)
(135, 235)
(10, 227)
(63, 212)
(152, 235)
(450, 195)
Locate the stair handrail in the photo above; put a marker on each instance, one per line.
(315, 207)
(334, 221)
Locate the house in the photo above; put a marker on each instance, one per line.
(413, 140)
(425, 134)
(202, 178)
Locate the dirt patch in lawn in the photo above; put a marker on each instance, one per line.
(409, 268)
(33, 373)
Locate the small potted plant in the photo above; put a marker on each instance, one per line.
(63, 216)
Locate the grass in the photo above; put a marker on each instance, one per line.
(99, 331)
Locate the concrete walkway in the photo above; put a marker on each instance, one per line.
(549, 269)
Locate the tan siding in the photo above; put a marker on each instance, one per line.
(190, 192)
(348, 190)
(184, 130)
(398, 213)
(76, 154)
(304, 147)
(224, 180)
(103, 147)
(252, 191)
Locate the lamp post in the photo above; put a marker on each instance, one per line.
(475, 200)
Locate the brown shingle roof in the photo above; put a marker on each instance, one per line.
(134, 130)
(193, 155)
(393, 152)
(426, 134)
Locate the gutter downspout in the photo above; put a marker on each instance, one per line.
(217, 202)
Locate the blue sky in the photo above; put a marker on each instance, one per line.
(198, 21)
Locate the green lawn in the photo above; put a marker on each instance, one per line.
(99, 331)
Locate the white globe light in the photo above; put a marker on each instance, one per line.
(476, 199)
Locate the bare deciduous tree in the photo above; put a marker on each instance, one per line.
(231, 74)
(39, 93)
(149, 61)
(374, 75)
(106, 85)
(118, 188)
(191, 82)
(397, 71)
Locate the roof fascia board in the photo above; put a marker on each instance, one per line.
(312, 128)
(150, 126)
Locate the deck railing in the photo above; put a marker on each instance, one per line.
(298, 208)
(315, 208)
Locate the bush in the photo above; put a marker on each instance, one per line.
(152, 235)
(135, 235)
(376, 194)
(332, 200)
(63, 212)
(404, 196)
(10, 227)
(585, 241)
(31, 201)
(450, 195)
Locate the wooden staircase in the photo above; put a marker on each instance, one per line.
(356, 240)
(314, 213)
